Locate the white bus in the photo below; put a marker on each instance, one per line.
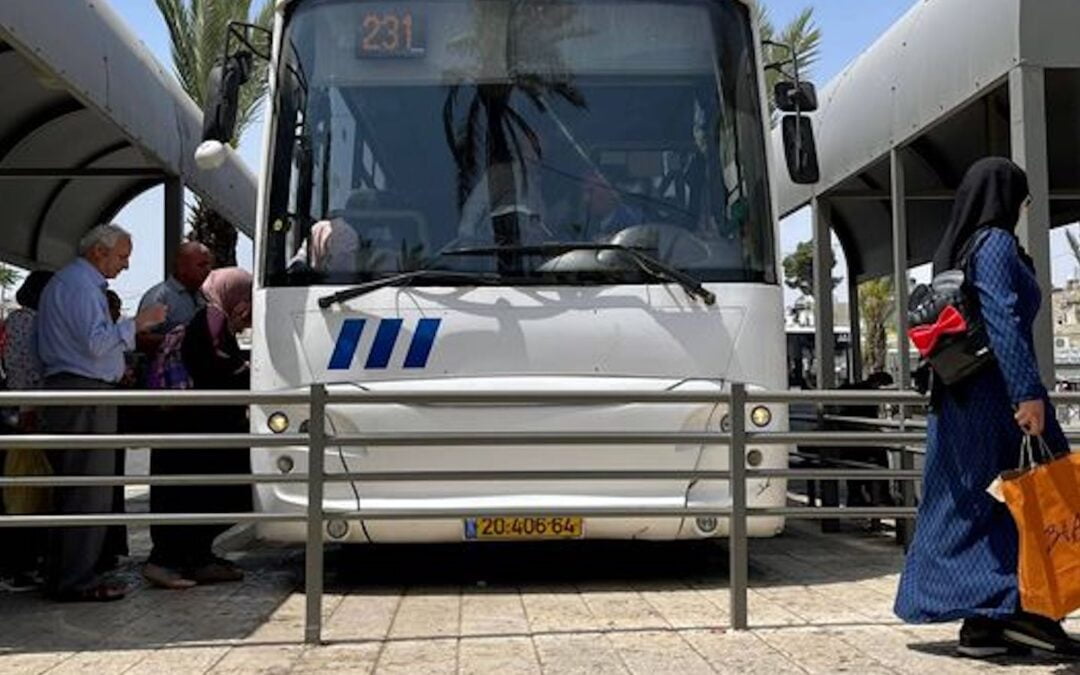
(516, 195)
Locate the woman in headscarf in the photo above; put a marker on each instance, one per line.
(183, 554)
(962, 563)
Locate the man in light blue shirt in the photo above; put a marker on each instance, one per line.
(82, 348)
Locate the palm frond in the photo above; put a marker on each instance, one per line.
(198, 30)
(801, 34)
(805, 37)
(764, 20)
(253, 94)
(183, 47)
(9, 276)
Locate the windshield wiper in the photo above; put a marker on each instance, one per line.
(403, 279)
(647, 263)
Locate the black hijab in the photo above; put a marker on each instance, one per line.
(991, 195)
(32, 287)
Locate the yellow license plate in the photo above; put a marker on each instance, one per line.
(509, 527)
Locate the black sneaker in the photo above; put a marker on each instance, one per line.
(1040, 632)
(983, 638)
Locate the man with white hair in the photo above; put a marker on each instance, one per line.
(82, 348)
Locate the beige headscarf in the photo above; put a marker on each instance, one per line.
(334, 245)
(228, 289)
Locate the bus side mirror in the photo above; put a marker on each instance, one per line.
(800, 151)
(795, 97)
(221, 108)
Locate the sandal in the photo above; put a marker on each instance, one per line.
(98, 593)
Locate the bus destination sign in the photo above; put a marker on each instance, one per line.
(391, 32)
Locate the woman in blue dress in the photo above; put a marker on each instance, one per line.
(962, 562)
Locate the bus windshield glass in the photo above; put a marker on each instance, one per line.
(465, 135)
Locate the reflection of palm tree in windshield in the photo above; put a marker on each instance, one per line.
(513, 47)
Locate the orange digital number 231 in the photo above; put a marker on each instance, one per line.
(387, 32)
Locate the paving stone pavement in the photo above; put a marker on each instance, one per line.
(818, 604)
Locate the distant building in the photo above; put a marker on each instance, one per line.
(1066, 307)
(799, 328)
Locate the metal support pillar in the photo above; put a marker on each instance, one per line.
(824, 337)
(824, 334)
(855, 369)
(313, 555)
(174, 221)
(900, 264)
(1027, 102)
(905, 527)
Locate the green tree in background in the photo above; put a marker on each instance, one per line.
(197, 32)
(799, 269)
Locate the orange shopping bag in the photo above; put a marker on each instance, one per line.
(1044, 500)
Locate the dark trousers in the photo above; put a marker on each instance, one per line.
(179, 546)
(186, 546)
(116, 536)
(74, 552)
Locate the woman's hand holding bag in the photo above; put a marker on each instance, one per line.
(1031, 416)
(1044, 499)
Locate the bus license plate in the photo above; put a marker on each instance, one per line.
(509, 527)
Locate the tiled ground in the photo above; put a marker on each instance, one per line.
(819, 604)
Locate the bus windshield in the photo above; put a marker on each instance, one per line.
(408, 132)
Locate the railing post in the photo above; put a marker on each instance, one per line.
(905, 527)
(313, 557)
(737, 544)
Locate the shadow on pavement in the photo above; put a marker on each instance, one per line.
(802, 555)
(150, 617)
(940, 648)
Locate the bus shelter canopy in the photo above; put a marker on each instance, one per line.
(90, 120)
(942, 86)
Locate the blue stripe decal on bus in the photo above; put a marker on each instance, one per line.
(385, 337)
(345, 348)
(422, 342)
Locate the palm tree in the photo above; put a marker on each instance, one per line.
(802, 34)
(197, 32)
(876, 307)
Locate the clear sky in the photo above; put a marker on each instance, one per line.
(848, 27)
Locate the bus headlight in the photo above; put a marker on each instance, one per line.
(278, 423)
(761, 416)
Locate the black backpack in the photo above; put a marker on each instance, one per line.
(946, 324)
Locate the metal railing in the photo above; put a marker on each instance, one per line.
(318, 398)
